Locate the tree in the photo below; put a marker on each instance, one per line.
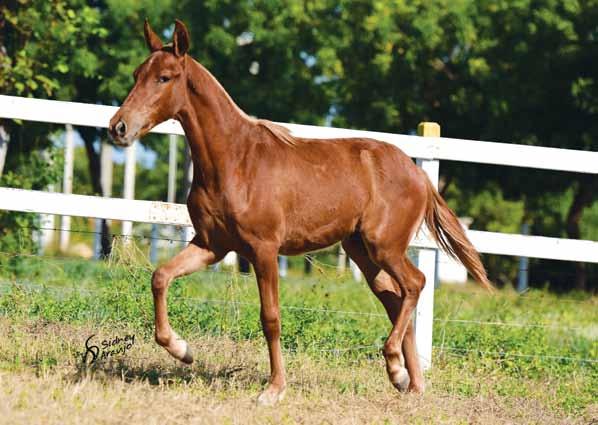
(522, 71)
(40, 44)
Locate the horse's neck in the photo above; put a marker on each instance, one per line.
(213, 124)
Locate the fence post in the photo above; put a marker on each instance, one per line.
(426, 262)
(4, 138)
(523, 275)
(172, 150)
(129, 186)
(46, 221)
(188, 233)
(154, 244)
(102, 238)
(283, 265)
(355, 271)
(342, 259)
(67, 183)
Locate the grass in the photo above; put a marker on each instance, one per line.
(526, 372)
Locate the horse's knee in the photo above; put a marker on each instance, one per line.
(160, 279)
(419, 280)
(413, 284)
(270, 323)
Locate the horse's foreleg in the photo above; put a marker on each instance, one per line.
(266, 270)
(189, 260)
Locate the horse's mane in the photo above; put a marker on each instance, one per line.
(280, 133)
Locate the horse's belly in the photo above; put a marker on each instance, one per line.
(300, 238)
(301, 247)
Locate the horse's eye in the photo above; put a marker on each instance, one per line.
(163, 79)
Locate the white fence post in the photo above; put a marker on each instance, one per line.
(355, 271)
(170, 197)
(172, 150)
(342, 259)
(129, 185)
(106, 172)
(283, 265)
(188, 232)
(67, 184)
(106, 169)
(426, 262)
(4, 138)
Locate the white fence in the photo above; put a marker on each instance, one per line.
(428, 150)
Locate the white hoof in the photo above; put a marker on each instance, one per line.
(400, 380)
(270, 397)
(179, 349)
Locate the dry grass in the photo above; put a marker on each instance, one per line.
(42, 381)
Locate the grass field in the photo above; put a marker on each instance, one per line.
(499, 358)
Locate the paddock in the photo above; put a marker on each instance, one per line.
(428, 149)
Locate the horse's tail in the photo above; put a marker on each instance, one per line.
(447, 231)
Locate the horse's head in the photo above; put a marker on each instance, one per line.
(160, 88)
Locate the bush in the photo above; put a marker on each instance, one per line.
(40, 171)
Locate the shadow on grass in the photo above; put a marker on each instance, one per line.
(158, 373)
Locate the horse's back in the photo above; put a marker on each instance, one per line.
(328, 186)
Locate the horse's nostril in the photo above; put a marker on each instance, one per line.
(120, 128)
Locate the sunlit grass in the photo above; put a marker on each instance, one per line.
(539, 347)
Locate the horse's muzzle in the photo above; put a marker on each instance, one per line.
(118, 131)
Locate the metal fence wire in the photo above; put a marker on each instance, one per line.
(31, 288)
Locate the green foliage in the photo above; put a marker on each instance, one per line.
(15, 227)
(44, 42)
(590, 223)
(491, 210)
(521, 71)
(493, 213)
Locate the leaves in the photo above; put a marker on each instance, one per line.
(514, 71)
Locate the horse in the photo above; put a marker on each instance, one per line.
(260, 191)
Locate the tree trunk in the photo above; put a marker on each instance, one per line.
(88, 135)
(95, 172)
(583, 198)
(443, 184)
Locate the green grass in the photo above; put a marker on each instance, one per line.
(331, 318)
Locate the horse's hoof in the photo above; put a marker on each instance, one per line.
(180, 350)
(270, 397)
(188, 357)
(401, 380)
(416, 388)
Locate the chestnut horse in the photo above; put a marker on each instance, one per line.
(259, 191)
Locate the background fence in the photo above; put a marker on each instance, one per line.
(428, 150)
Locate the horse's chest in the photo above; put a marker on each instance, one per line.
(206, 215)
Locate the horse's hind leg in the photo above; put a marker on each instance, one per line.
(389, 294)
(411, 281)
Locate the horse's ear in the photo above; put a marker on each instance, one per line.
(180, 39)
(151, 39)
